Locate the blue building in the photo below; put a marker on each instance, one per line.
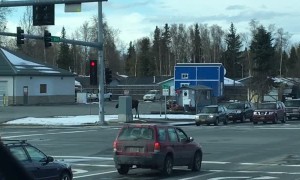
(209, 75)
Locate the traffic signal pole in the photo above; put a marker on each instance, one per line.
(101, 66)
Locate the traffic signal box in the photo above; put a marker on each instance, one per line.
(108, 76)
(93, 72)
(47, 38)
(20, 36)
(43, 14)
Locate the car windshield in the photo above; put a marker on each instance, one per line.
(266, 106)
(135, 133)
(235, 106)
(292, 103)
(151, 92)
(209, 110)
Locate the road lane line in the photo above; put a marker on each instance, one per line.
(95, 174)
(29, 135)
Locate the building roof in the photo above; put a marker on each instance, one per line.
(16, 64)
(199, 64)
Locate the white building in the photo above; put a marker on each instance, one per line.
(24, 81)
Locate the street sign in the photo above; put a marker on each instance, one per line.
(165, 92)
(55, 39)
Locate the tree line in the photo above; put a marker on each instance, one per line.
(262, 52)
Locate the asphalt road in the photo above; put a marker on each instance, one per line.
(235, 151)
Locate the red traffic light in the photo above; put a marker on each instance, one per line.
(93, 63)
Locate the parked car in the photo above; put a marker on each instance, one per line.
(91, 97)
(39, 165)
(152, 95)
(212, 114)
(156, 147)
(270, 111)
(292, 107)
(240, 111)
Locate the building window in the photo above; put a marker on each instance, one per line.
(184, 84)
(43, 88)
(184, 76)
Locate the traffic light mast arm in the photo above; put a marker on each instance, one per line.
(38, 2)
(29, 36)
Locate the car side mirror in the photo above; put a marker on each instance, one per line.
(191, 139)
(50, 159)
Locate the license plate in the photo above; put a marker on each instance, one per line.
(135, 149)
(230, 116)
(262, 118)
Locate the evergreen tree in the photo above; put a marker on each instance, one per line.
(156, 50)
(165, 50)
(130, 60)
(64, 60)
(145, 62)
(197, 45)
(262, 54)
(232, 56)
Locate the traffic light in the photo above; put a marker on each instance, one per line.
(47, 38)
(43, 14)
(108, 76)
(20, 36)
(93, 72)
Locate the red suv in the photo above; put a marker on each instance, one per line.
(270, 111)
(156, 147)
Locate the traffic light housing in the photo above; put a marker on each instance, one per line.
(47, 38)
(93, 72)
(43, 14)
(108, 76)
(20, 36)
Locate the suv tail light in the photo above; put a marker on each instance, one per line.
(115, 146)
(156, 147)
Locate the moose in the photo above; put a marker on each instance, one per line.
(135, 105)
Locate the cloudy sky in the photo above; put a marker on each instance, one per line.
(137, 18)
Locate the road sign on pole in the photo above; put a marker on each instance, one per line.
(55, 39)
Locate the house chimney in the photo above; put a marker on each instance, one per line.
(154, 79)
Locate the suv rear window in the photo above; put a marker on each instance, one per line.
(134, 133)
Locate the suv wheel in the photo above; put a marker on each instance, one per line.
(197, 124)
(275, 120)
(283, 119)
(197, 161)
(225, 122)
(243, 119)
(168, 166)
(123, 169)
(216, 122)
(65, 176)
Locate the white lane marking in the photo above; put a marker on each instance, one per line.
(215, 162)
(29, 135)
(237, 177)
(265, 177)
(258, 164)
(78, 171)
(94, 165)
(95, 174)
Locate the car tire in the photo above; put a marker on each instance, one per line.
(123, 169)
(197, 124)
(168, 166)
(225, 122)
(216, 123)
(254, 122)
(283, 119)
(65, 176)
(197, 161)
(275, 120)
(243, 119)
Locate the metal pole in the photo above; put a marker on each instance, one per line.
(101, 65)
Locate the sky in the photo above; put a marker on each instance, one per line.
(135, 19)
(91, 119)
